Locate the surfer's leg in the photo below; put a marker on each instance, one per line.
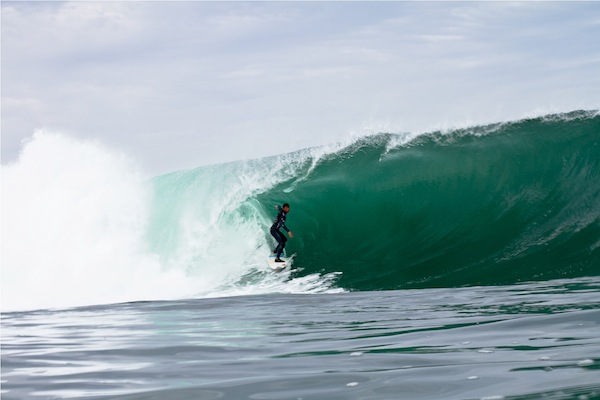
(280, 240)
(281, 245)
(277, 235)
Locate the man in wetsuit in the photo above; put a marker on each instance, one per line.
(278, 224)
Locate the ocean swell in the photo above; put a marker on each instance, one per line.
(488, 205)
(495, 204)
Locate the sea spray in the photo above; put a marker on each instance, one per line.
(74, 218)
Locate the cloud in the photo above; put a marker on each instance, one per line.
(180, 84)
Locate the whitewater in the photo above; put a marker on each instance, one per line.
(455, 264)
(82, 225)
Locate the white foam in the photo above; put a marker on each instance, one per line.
(76, 228)
(73, 216)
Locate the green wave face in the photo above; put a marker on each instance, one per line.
(497, 204)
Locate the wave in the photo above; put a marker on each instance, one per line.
(494, 204)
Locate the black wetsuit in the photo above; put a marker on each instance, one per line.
(278, 224)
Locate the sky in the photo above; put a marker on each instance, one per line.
(177, 85)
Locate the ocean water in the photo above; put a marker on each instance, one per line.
(462, 264)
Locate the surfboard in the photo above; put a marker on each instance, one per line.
(279, 266)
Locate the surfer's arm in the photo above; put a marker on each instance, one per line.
(290, 234)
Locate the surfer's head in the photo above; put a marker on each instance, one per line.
(286, 207)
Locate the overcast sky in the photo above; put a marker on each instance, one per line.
(182, 84)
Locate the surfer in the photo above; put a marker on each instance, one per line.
(278, 224)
